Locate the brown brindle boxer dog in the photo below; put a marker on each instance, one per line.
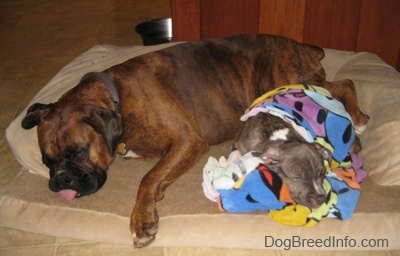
(172, 104)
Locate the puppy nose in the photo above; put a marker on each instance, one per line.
(317, 200)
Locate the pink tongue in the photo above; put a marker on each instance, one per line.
(67, 194)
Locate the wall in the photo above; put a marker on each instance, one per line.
(354, 25)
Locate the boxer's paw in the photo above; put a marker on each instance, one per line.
(144, 224)
(360, 129)
(139, 242)
(361, 120)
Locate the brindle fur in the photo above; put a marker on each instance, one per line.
(174, 103)
(298, 163)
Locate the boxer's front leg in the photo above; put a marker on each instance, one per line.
(179, 158)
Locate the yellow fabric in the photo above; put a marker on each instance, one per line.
(269, 94)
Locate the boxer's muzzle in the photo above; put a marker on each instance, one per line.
(71, 182)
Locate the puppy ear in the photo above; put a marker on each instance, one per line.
(271, 155)
(325, 153)
(35, 115)
(107, 123)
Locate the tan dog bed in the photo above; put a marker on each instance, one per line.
(187, 217)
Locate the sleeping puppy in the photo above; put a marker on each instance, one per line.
(283, 131)
(298, 163)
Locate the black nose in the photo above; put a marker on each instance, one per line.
(320, 198)
(64, 180)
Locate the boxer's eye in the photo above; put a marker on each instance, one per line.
(75, 153)
(48, 161)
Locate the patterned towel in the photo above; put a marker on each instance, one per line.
(317, 117)
(313, 113)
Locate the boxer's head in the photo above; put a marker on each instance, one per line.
(77, 144)
(301, 167)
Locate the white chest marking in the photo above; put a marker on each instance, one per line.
(280, 134)
(129, 154)
(123, 152)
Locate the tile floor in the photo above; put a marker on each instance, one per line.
(38, 38)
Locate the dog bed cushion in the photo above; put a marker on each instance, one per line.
(187, 218)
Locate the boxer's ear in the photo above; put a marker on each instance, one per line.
(35, 114)
(107, 123)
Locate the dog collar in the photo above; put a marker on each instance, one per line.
(108, 82)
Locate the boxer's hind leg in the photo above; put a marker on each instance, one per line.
(181, 155)
(345, 92)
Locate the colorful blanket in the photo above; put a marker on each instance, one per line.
(318, 117)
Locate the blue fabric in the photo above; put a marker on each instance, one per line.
(319, 118)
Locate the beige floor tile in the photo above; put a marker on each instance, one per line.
(65, 240)
(10, 99)
(29, 251)
(10, 238)
(37, 37)
(9, 167)
(49, 67)
(98, 249)
(29, 48)
(17, 68)
(183, 251)
(8, 111)
(332, 253)
(63, 47)
(17, 75)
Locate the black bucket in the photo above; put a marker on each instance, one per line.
(157, 31)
